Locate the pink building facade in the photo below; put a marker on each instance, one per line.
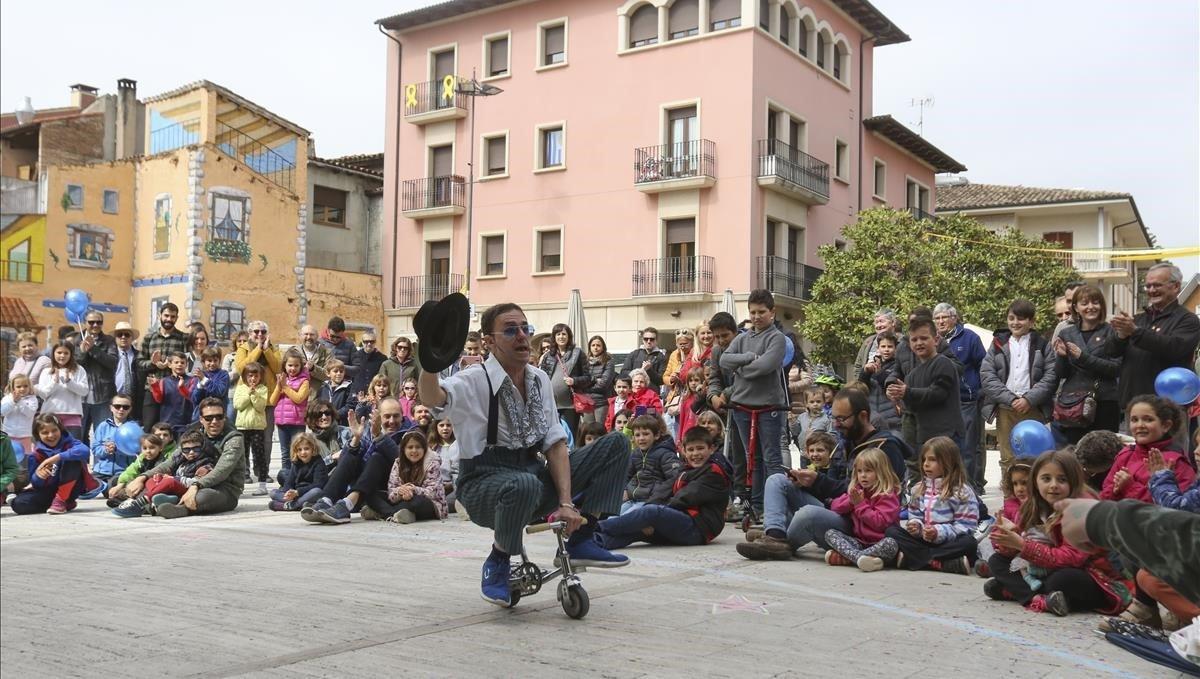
(651, 154)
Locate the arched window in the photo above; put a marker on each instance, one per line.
(806, 30)
(764, 14)
(643, 26)
(785, 25)
(839, 60)
(821, 50)
(683, 19)
(724, 14)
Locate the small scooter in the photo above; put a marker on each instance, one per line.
(527, 578)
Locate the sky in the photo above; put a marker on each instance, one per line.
(1092, 94)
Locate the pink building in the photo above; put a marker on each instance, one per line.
(651, 154)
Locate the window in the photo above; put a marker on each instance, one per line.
(73, 197)
(683, 19)
(110, 202)
(725, 14)
(493, 255)
(552, 43)
(764, 14)
(89, 246)
(495, 56)
(551, 147)
(839, 55)
(880, 184)
(785, 25)
(679, 269)
(438, 267)
(916, 198)
(162, 224)
(156, 305)
(821, 50)
(228, 218)
(228, 319)
(16, 265)
(548, 257)
(802, 37)
(643, 26)
(495, 155)
(841, 160)
(329, 206)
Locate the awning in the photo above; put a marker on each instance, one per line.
(14, 314)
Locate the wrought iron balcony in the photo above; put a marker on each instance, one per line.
(433, 196)
(784, 277)
(174, 136)
(413, 291)
(261, 158)
(669, 167)
(920, 214)
(792, 172)
(434, 101)
(673, 276)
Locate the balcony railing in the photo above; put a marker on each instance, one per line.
(175, 136)
(433, 192)
(18, 271)
(920, 214)
(682, 160)
(261, 158)
(413, 291)
(784, 277)
(777, 159)
(429, 97)
(673, 275)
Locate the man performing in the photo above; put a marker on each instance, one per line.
(504, 416)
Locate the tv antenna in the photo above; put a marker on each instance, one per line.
(921, 104)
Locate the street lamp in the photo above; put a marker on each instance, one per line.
(473, 89)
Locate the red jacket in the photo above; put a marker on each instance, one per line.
(646, 397)
(1133, 459)
(872, 516)
(1096, 564)
(1011, 509)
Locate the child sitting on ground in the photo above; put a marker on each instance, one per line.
(415, 491)
(693, 513)
(1153, 421)
(108, 461)
(873, 503)
(943, 513)
(164, 433)
(715, 427)
(408, 397)
(814, 419)
(443, 442)
(818, 451)
(57, 470)
(211, 380)
(590, 432)
(152, 454)
(1014, 485)
(1069, 579)
(1165, 487)
(174, 393)
(653, 464)
(172, 477)
(17, 410)
(378, 390)
(1096, 452)
(337, 390)
(618, 403)
(305, 480)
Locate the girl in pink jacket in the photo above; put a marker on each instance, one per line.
(1153, 422)
(872, 503)
(290, 399)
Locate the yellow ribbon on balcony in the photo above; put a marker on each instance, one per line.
(448, 88)
(410, 96)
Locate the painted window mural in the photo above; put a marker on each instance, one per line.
(228, 318)
(162, 224)
(229, 225)
(111, 203)
(89, 246)
(23, 248)
(73, 197)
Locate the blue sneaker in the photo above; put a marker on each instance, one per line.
(164, 499)
(588, 552)
(133, 507)
(495, 582)
(338, 513)
(95, 492)
(312, 514)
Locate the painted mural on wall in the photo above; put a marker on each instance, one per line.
(89, 246)
(22, 242)
(228, 225)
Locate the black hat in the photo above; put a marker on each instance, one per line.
(441, 331)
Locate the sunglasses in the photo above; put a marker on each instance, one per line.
(213, 418)
(258, 332)
(189, 449)
(95, 322)
(124, 335)
(649, 339)
(325, 414)
(511, 331)
(121, 406)
(368, 341)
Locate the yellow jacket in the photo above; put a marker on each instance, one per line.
(271, 357)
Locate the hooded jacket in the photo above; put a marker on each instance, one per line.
(702, 493)
(836, 481)
(304, 476)
(994, 374)
(952, 516)
(431, 483)
(229, 471)
(652, 472)
(871, 517)
(1133, 458)
(105, 463)
(69, 449)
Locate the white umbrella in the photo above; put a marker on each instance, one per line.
(728, 305)
(576, 320)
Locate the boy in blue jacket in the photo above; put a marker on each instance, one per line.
(57, 470)
(108, 461)
(211, 381)
(653, 465)
(174, 392)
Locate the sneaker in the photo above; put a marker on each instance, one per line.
(403, 516)
(369, 514)
(95, 492)
(766, 548)
(589, 553)
(57, 507)
(131, 508)
(984, 528)
(982, 569)
(336, 514)
(494, 589)
(164, 499)
(754, 534)
(260, 491)
(994, 589)
(1142, 614)
(1056, 603)
(173, 511)
(835, 558)
(277, 506)
(311, 512)
(113, 503)
(959, 566)
(870, 564)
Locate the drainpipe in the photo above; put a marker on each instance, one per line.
(396, 169)
(861, 89)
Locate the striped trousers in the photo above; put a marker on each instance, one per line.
(505, 489)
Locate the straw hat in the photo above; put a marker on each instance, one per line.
(123, 326)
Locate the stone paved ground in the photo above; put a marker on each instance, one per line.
(257, 593)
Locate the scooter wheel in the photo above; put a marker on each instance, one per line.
(514, 597)
(575, 602)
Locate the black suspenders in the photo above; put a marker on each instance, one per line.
(493, 412)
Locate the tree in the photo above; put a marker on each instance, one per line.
(896, 262)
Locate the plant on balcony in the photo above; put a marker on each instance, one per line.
(896, 263)
(226, 250)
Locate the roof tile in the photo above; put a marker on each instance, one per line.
(977, 196)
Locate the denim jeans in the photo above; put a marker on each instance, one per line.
(768, 456)
(790, 508)
(630, 505)
(671, 527)
(972, 450)
(312, 495)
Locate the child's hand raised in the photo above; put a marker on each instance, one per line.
(929, 533)
(856, 494)
(1121, 478)
(1155, 461)
(1007, 538)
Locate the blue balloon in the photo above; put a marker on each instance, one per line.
(1178, 384)
(72, 317)
(789, 353)
(1030, 439)
(77, 300)
(129, 438)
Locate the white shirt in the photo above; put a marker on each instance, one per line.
(1018, 368)
(467, 407)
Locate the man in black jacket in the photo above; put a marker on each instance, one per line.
(649, 357)
(97, 354)
(366, 363)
